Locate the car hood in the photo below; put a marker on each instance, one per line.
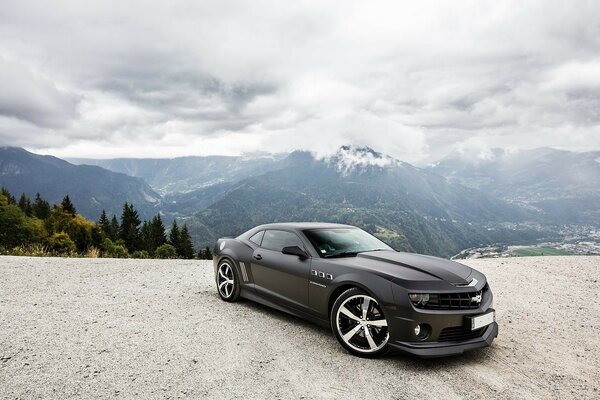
(404, 265)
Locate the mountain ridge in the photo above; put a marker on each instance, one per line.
(91, 188)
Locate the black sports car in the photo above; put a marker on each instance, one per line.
(373, 297)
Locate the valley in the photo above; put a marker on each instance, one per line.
(442, 209)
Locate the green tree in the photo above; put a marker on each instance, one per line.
(79, 230)
(61, 244)
(175, 235)
(97, 236)
(68, 206)
(129, 230)
(9, 197)
(143, 254)
(113, 250)
(146, 240)
(104, 223)
(41, 208)
(16, 229)
(205, 254)
(166, 251)
(113, 232)
(25, 205)
(76, 226)
(186, 248)
(157, 233)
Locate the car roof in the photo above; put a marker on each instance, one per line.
(302, 225)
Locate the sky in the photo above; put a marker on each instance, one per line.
(415, 80)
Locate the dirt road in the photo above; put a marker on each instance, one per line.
(107, 328)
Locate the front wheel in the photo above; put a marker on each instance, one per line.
(228, 284)
(359, 325)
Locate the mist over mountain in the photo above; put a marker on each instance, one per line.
(91, 188)
(564, 187)
(186, 174)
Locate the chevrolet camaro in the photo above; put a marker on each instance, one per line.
(373, 298)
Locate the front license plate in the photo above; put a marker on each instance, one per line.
(482, 320)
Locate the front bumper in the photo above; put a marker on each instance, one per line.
(442, 349)
(449, 330)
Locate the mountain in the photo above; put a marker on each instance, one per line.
(563, 186)
(411, 208)
(188, 174)
(91, 188)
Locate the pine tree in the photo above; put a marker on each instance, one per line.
(68, 206)
(186, 248)
(146, 237)
(25, 205)
(11, 199)
(129, 230)
(113, 232)
(157, 233)
(205, 254)
(175, 235)
(104, 223)
(41, 208)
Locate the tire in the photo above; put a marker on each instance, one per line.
(228, 284)
(363, 334)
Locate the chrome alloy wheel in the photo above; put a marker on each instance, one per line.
(225, 280)
(361, 324)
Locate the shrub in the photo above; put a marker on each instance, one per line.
(143, 254)
(165, 251)
(60, 243)
(93, 252)
(113, 250)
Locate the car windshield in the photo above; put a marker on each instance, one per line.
(343, 242)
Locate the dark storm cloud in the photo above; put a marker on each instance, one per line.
(414, 80)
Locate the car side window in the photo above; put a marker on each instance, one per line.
(277, 240)
(257, 237)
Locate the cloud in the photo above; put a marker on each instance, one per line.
(416, 81)
(29, 97)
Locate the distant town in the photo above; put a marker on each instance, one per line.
(578, 240)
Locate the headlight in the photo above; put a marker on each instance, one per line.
(419, 298)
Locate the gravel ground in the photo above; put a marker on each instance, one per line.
(100, 328)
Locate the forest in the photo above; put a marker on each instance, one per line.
(37, 228)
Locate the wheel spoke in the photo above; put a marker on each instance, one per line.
(349, 313)
(224, 283)
(378, 322)
(365, 307)
(221, 274)
(372, 344)
(351, 333)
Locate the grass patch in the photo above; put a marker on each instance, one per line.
(541, 251)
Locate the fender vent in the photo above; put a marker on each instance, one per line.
(244, 272)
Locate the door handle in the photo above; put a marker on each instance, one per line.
(257, 257)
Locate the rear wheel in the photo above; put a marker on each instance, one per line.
(359, 325)
(228, 284)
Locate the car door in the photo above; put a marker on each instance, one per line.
(281, 277)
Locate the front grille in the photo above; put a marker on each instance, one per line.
(459, 333)
(453, 301)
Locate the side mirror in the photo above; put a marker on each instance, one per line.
(294, 251)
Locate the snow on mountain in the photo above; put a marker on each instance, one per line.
(349, 159)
